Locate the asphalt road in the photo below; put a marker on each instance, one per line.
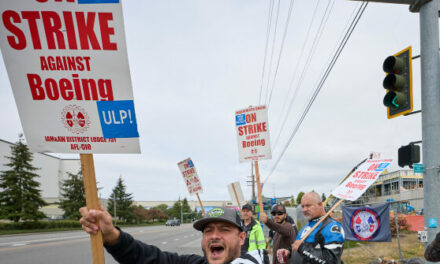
(74, 246)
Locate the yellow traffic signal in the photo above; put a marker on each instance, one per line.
(398, 83)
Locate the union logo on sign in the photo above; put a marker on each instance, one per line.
(75, 119)
(365, 224)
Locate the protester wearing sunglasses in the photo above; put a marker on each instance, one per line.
(284, 232)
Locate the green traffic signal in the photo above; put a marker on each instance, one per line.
(398, 83)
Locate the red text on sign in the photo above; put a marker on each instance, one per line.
(79, 89)
(83, 36)
(252, 129)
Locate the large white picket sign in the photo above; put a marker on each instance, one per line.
(253, 134)
(362, 178)
(68, 67)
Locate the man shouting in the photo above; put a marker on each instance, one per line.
(222, 237)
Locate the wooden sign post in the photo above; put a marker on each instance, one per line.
(201, 205)
(260, 196)
(322, 219)
(92, 202)
(236, 196)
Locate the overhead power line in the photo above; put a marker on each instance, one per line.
(273, 49)
(269, 24)
(312, 50)
(286, 27)
(321, 83)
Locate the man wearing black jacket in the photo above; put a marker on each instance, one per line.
(221, 240)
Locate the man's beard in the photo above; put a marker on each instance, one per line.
(281, 222)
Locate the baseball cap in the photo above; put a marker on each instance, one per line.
(247, 206)
(219, 214)
(278, 208)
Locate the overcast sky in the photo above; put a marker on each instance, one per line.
(194, 63)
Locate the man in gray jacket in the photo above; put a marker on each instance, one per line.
(221, 240)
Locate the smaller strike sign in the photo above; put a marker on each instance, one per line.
(190, 176)
(362, 178)
(253, 134)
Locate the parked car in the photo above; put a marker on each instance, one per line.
(173, 222)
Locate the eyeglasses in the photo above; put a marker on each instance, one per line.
(277, 213)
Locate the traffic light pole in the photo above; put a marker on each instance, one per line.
(430, 70)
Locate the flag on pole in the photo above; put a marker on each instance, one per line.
(367, 223)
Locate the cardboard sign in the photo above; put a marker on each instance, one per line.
(68, 67)
(362, 178)
(253, 134)
(190, 176)
(235, 193)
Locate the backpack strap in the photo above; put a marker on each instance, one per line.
(318, 235)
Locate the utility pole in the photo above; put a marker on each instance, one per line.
(430, 68)
(251, 181)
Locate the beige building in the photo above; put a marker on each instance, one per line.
(401, 185)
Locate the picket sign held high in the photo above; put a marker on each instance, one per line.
(92, 202)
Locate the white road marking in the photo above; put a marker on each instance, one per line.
(176, 239)
(18, 244)
(43, 240)
(164, 243)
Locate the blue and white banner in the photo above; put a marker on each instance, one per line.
(367, 223)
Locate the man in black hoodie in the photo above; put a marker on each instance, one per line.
(221, 240)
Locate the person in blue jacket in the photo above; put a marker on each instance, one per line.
(325, 244)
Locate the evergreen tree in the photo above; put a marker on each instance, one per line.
(185, 206)
(124, 200)
(323, 197)
(20, 195)
(73, 195)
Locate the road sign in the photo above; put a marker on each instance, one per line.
(190, 176)
(362, 178)
(253, 134)
(68, 67)
(418, 168)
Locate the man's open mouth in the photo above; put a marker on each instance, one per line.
(216, 250)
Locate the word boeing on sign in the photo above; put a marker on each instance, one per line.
(362, 178)
(253, 134)
(190, 176)
(68, 67)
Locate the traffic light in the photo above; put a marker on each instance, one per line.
(408, 155)
(398, 83)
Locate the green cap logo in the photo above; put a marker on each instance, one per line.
(216, 212)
